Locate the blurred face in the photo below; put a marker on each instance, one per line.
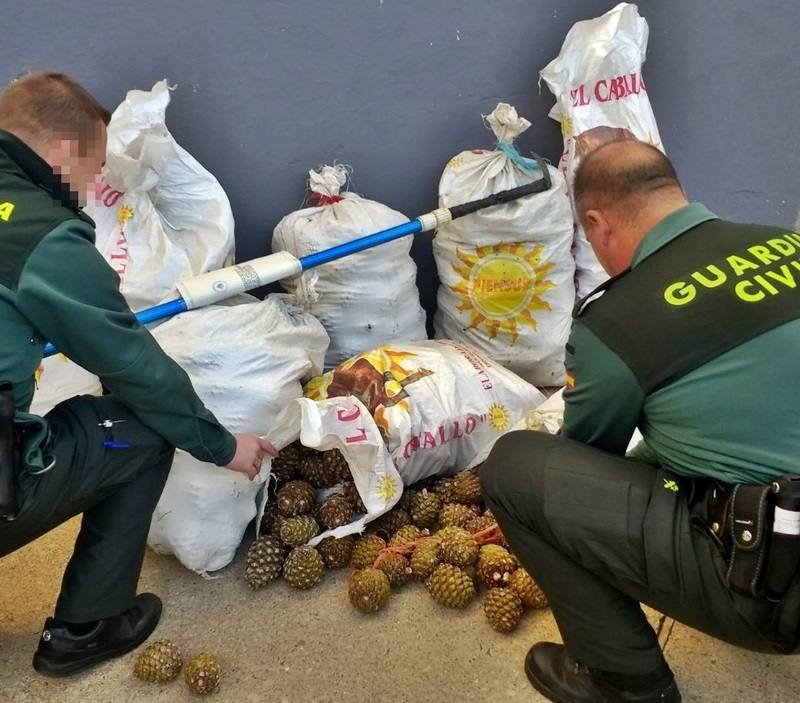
(78, 164)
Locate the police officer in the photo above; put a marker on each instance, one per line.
(105, 457)
(694, 341)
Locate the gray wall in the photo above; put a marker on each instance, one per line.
(269, 88)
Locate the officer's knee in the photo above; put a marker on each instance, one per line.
(493, 469)
(519, 450)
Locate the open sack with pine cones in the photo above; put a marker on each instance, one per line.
(392, 417)
(387, 446)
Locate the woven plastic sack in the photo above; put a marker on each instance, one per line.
(507, 273)
(160, 215)
(364, 299)
(601, 96)
(246, 363)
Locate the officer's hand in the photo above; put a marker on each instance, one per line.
(250, 453)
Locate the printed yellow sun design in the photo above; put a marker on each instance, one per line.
(125, 213)
(384, 359)
(566, 126)
(387, 488)
(499, 418)
(502, 286)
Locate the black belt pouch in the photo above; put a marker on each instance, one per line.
(8, 454)
(750, 514)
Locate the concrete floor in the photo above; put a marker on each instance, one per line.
(281, 646)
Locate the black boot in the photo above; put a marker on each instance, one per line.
(561, 679)
(62, 652)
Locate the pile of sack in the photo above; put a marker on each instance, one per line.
(161, 217)
(294, 366)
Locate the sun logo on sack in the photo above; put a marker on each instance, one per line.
(499, 419)
(379, 379)
(566, 126)
(502, 286)
(125, 213)
(387, 488)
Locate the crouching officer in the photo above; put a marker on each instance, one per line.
(694, 341)
(105, 457)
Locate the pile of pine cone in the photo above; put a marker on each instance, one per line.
(439, 534)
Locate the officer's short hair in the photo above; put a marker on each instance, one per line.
(44, 105)
(617, 173)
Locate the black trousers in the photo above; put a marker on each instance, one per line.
(116, 489)
(601, 534)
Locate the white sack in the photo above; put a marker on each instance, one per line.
(600, 97)
(160, 215)
(507, 273)
(246, 363)
(365, 299)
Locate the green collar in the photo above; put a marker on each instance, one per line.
(17, 156)
(671, 227)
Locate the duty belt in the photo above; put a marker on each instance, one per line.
(757, 529)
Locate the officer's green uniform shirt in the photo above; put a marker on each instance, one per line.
(55, 286)
(702, 423)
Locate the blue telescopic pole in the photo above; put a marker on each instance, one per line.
(371, 240)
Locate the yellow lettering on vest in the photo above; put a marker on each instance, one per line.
(782, 246)
(5, 211)
(764, 255)
(794, 237)
(796, 264)
(739, 264)
(748, 297)
(766, 284)
(785, 276)
(718, 280)
(680, 293)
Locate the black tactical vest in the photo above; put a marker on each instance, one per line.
(711, 289)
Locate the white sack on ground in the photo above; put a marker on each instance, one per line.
(507, 273)
(246, 362)
(160, 217)
(401, 413)
(600, 97)
(365, 299)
